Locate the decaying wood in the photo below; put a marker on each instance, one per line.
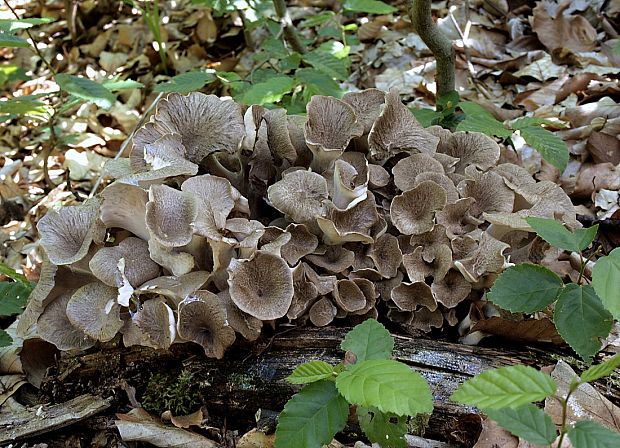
(249, 379)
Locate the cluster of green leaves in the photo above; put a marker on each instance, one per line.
(13, 296)
(507, 395)
(583, 314)
(384, 391)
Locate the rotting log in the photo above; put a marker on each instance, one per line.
(250, 378)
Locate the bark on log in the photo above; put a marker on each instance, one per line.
(251, 378)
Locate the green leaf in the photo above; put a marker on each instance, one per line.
(606, 278)
(186, 82)
(337, 68)
(528, 422)
(559, 236)
(525, 288)
(589, 434)
(506, 387)
(317, 83)
(369, 340)
(270, 91)
(525, 122)
(478, 119)
(448, 100)
(312, 417)
(386, 384)
(425, 116)
(126, 84)
(12, 25)
(386, 429)
(309, 372)
(601, 370)
(13, 297)
(369, 6)
(12, 273)
(581, 319)
(550, 146)
(86, 89)
(8, 40)
(5, 339)
(22, 106)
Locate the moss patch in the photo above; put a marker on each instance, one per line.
(176, 391)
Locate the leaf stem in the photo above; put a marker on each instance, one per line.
(584, 262)
(563, 429)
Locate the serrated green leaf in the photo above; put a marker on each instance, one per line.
(86, 89)
(5, 339)
(425, 116)
(525, 288)
(388, 430)
(551, 147)
(317, 83)
(581, 319)
(448, 100)
(506, 387)
(605, 280)
(559, 236)
(12, 25)
(589, 434)
(386, 384)
(312, 417)
(309, 372)
(13, 297)
(337, 68)
(369, 340)
(601, 370)
(317, 19)
(477, 119)
(270, 91)
(10, 41)
(528, 422)
(369, 6)
(22, 106)
(186, 82)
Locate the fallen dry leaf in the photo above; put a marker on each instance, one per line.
(570, 32)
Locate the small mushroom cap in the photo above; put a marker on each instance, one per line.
(366, 104)
(156, 320)
(452, 194)
(430, 241)
(353, 224)
(278, 137)
(174, 260)
(300, 195)
(175, 288)
(488, 258)
(94, 310)
(455, 218)
(302, 243)
(413, 211)
(170, 214)
(418, 269)
(408, 169)
(490, 192)
(306, 292)
(261, 286)
(54, 326)
(247, 326)
(323, 312)
(370, 293)
(335, 259)
(167, 155)
(349, 184)
(386, 255)
(452, 289)
(377, 176)
(471, 148)
(124, 206)
(396, 130)
(203, 320)
(411, 296)
(349, 296)
(66, 235)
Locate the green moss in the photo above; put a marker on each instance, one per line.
(174, 391)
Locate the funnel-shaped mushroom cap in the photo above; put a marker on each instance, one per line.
(456, 218)
(349, 183)
(430, 241)
(300, 195)
(413, 212)
(386, 255)
(54, 326)
(173, 260)
(396, 130)
(322, 312)
(94, 310)
(155, 319)
(516, 177)
(247, 326)
(354, 224)
(471, 148)
(489, 190)
(306, 291)
(203, 320)
(418, 269)
(407, 169)
(452, 194)
(330, 127)
(411, 296)
(334, 259)
(302, 243)
(452, 289)
(167, 154)
(489, 257)
(261, 286)
(349, 296)
(278, 137)
(377, 176)
(66, 235)
(175, 288)
(138, 265)
(366, 104)
(170, 214)
(370, 293)
(124, 206)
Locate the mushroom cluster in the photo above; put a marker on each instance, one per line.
(224, 218)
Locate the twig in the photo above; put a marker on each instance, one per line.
(288, 30)
(126, 142)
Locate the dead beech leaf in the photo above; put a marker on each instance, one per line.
(604, 148)
(569, 32)
(9, 385)
(206, 28)
(595, 177)
(256, 439)
(493, 436)
(185, 421)
(541, 330)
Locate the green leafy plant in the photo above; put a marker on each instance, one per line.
(175, 392)
(13, 296)
(507, 395)
(384, 391)
(150, 12)
(581, 316)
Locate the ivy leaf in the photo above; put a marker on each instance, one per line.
(550, 146)
(186, 82)
(525, 288)
(309, 372)
(369, 6)
(581, 320)
(13, 297)
(270, 91)
(337, 68)
(605, 280)
(10, 41)
(369, 340)
(388, 430)
(601, 370)
(589, 434)
(312, 417)
(506, 387)
(388, 385)
(86, 89)
(559, 236)
(5, 339)
(478, 119)
(528, 422)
